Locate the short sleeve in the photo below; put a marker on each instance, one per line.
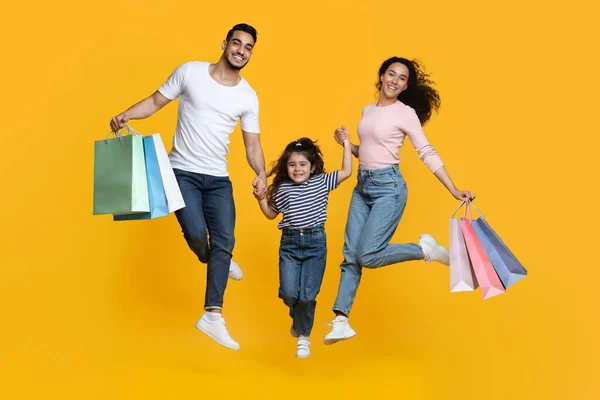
(331, 180)
(273, 203)
(173, 87)
(249, 120)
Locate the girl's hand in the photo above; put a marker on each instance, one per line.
(341, 135)
(260, 188)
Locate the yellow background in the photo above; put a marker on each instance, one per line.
(93, 308)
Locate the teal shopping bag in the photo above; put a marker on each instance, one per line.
(156, 190)
(120, 175)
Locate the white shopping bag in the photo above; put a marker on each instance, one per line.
(172, 191)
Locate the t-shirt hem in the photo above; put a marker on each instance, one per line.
(161, 90)
(194, 170)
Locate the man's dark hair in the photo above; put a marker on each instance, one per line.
(244, 28)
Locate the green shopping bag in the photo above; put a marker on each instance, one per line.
(120, 184)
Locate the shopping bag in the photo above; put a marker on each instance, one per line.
(120, 184)
(171, 187)
(462, 278)
(156, 191)
(482, 266)
(507, 266)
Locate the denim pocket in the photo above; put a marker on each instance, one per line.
(321, 237)
(383, 180)
(284, 239)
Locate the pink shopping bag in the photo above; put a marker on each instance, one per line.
(462, 278)
(482, 266)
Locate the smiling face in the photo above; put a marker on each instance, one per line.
(394, 80)
(238, 49)
(299, 168)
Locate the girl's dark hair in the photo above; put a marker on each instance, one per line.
(304, 146)
(419, 94)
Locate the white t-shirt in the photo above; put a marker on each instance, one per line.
(208, 113)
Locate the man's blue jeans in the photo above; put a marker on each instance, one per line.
(208, 222)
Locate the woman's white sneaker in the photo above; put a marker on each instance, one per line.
(340, 330)
(235, 272)
(432, 251)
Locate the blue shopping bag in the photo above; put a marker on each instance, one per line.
(507, 266)
(156, 190)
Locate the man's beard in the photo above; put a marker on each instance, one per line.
(234, 67)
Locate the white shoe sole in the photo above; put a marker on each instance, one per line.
(209, 334)
(235, 278)
(302, 356)
(236, 273)
(329, 341)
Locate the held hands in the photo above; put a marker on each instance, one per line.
(260, 187)
(341, 136)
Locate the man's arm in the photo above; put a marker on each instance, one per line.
(140, 110)
(256, 158)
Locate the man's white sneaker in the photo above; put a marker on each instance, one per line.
(235, 272)
(433, 251)
(217, 330)
(340, 330)
(303, 350)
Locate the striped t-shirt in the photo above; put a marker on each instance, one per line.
(304, 205)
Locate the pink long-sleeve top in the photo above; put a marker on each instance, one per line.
(382, 131)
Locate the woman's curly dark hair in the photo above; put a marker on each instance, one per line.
(419, 93)
(304, 146)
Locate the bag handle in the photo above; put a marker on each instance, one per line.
(119, 135)
(468, 204)
(132, 131)
(455, 211)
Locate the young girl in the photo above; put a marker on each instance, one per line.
(300, 191)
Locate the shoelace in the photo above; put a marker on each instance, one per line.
(334, 322)
(223, 326)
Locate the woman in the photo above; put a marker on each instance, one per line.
(406, 101)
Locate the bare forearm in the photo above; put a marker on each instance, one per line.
(346, 170)
(354, 148)
(443, 177)
(266, 209)
(142, 109)
(256, 160)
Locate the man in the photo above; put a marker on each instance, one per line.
(213, 97)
